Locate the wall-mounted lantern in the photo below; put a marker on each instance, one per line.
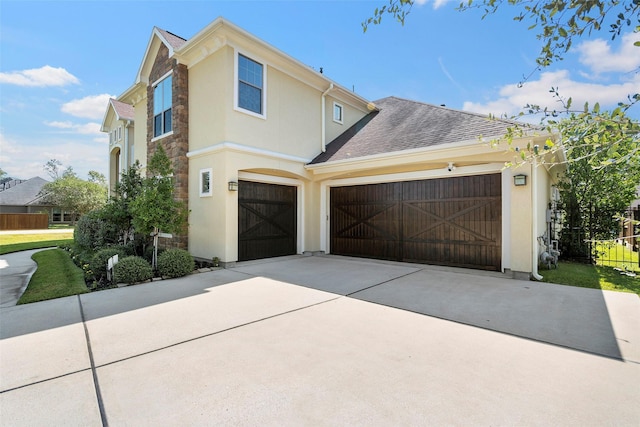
(519, 180)
(233, 186)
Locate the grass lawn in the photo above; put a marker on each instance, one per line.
(57, 276)
(616, 255)
(591, 276)
(22, 242)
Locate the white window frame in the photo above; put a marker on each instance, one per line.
(153, 86)
(203, 172)
(236, 85)
(333, 113)
(119, 133)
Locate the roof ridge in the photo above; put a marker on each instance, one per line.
(471, 113)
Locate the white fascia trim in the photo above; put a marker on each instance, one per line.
(483, 169)
(396, 155)
(232, 146)
(228, 29)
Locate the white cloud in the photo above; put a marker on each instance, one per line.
(436, 4)
(90, 107)
(512, 98)
(39, 77)
(600, 58)
(82, 129)
(26, 159)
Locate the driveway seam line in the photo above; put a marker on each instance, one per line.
(103, 414)
(217, 332)
(44, 380)
(386, 281)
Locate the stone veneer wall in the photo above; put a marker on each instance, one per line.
(177, 144)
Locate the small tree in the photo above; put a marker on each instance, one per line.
(118, 209)
(154, 209)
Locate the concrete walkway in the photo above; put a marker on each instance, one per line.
(296, 341)
(16, 270)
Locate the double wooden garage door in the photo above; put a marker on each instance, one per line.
(266, 220)
(450, 221)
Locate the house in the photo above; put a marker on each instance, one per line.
(20, 196)
(273, 158)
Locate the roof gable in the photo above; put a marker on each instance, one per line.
(119, 109)
(158, 37)
(402, 125)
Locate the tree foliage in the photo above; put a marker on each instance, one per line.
(73, 194)
(154, 207)
(602, 177)
(118, 209)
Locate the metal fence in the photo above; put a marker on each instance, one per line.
(622, 252)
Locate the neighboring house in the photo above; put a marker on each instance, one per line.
(275, 159)
(118, 123)
(24, 196)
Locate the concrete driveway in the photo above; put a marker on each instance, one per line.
(324, 341)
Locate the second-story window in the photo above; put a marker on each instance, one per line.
(337, 113)
(250, 84)
(162, 107)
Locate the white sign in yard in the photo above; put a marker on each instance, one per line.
(111, 262)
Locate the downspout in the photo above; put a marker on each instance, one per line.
(534, 219)
(323, 133)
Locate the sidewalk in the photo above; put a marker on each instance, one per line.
(16, 270)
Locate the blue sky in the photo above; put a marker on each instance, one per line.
(61, 61)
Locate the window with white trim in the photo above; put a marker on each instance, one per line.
(205, 182)
(162, 122)
(337, 112)
(119, 133)
(250, 85)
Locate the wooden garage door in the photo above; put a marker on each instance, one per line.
(266, 220)
(449, 221)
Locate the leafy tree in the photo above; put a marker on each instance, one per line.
(118, 210)
(73, 194)
(154, 208)
(53, 168)
(602, 178)
(4, 177)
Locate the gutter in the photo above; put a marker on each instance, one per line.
(323, 132)
(534, 219)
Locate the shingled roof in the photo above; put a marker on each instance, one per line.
(24, 194)
(175, 41)
(401, 124)
(123, 111)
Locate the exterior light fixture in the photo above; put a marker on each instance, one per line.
(233, 186)
(519, 180)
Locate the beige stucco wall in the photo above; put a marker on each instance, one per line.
(210, 101)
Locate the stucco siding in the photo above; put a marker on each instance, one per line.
(210, 98)
(293, 119)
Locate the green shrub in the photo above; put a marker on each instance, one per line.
(99, 261)
(175, 263)
(132, 269)
(93, 231)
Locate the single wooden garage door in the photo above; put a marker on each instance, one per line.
(266, 220)
(449, 221)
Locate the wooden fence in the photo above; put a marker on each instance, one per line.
(24, 221)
